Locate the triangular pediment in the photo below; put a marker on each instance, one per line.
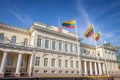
(109, 46)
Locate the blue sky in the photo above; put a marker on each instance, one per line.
(105, 14)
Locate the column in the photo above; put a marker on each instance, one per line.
(3, 63)
(19, 63)
(85, 68)
(96, 72)
(116, 66)
(91, 71)
(32, 58)
(100, 70)
(104, 68)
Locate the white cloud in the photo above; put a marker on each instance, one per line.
(17, 15)
(21, 16)
(83, 23)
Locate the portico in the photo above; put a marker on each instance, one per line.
(14, 63)
(92, 68)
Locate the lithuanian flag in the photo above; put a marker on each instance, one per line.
(89, 32)
(69, 24)
(97, 36)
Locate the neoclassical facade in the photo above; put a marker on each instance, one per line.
(42, 51)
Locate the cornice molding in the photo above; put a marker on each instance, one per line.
(5, 26)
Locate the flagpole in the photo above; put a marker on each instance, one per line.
(104, 54)
(95, 48)
(77, 48)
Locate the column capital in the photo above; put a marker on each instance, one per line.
(6, 51)
(20, 52)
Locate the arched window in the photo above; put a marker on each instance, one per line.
(1, 36)
(13, 40)
(25, 42)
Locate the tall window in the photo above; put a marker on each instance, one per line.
(1, 36)
(60, 63)
(65, 46)
(10, 61)
(25, 42)
(45, 61)
(71, 48)
(60, 46)
(13, 39)
(53, 45)
(23, 62)
(84, 51)
(66, 63)
(38, 42)
(71, 64)
(76, 64)
(53, 62)
(37, 61)
(46, 43)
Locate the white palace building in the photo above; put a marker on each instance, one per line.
(42, 51)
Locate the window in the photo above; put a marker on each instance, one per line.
(60, 63)
(71, 64)
(1, 36)
(84, 51)
(37, 61)
(45, 71)
(53, 62)
(65, 47)
(60, 46)
(38, 42)
(45, 61)
(60, 71)
(72, 71)
(71, 48)
(66, 63)
(10, 61)
(98, 54)
(36, 71)
(23, 62)
(66, 71)
(76, 64)
(13, 39)
(46, 43)
(53, 45)
(25, 42)
(53, 71)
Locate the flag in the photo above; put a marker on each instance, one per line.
(89, 32)
(59, 29)
(97, 36)
(69, 24)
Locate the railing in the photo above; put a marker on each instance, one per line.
(32, 48)
(88, 56)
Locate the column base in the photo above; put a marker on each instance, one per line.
(91, 74)
(85, 74)
(2, 75)
(96, 74)
(17, 75)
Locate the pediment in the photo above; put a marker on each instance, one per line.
(109, 46)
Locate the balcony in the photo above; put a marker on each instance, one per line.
(5, 44)
(88, 56)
